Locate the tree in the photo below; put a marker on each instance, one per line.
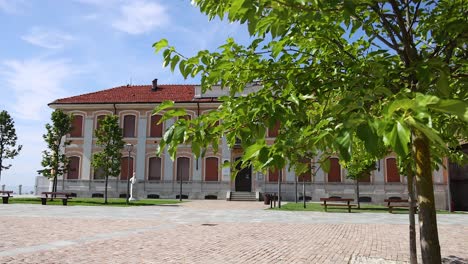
(54, 160)
(393, 71)
(362, 163)
(110, 139)
(8, 147)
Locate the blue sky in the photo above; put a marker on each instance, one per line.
(54, 49)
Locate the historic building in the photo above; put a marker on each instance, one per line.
(203, 178)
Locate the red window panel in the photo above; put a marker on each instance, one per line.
(186, 117)
(273, 132)
(98, 121)
(306, 176)
(365, 178)
(156, 130)
(211, 169)
(77, 126)
(99, 174)
(73, 168)
(392, 170)
(183, 168)
(273, 175)
(154, 170)
(124, 172)
(129, 126)
(334, 175)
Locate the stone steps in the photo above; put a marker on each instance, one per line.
(243, 196)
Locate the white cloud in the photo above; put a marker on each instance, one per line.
(12, 6)
(47, 38)
(34, 83)
(139, 17)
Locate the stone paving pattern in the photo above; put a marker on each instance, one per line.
(211, 232)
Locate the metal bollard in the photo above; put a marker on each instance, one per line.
(19, 189)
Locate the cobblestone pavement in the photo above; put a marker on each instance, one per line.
(211, 232)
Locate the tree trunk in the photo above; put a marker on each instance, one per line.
(105, 189)
(357, 194)
(412, 211)
(429, 238)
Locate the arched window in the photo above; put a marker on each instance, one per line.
(154, 169)
(273, 175)
(334, 175)
(99, 118)
(73, 172)
(186, 117)
(273, 132)
(183, 168)
(99, 174)
(129, 126)
(124, 170)
(392, 170)
(156, 130)
(306, 176)
(77, 126)
(211, 169)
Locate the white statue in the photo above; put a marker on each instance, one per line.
(133, 182)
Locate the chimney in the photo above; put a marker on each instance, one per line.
(155, 85)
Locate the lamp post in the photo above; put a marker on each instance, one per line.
(128, 148)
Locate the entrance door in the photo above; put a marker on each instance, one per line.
(244, 179)
(459, 184)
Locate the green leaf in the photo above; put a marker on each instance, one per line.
(160, 45)
(162, 106)
(443, 84)
(253, 151)
(369, 137)
(398, 138)
(452, 106)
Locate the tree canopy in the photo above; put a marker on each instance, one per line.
(8, 138)
(327, 71)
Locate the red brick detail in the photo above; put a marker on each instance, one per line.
(156, 130)
(334, 175)
(77, 126)
(211, 169)
(124, 172)
(392, 170)
(73, 172)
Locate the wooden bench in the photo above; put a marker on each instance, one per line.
(397, 203)
(59, 195)
(6, 196)
(340, 200)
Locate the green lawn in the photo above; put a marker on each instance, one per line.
(365, 208)
(96, 201)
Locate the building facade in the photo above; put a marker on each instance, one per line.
(202, 178)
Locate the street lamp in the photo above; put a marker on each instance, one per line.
(128, 148)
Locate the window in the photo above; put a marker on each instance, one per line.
(334, 175)
(392, 170)
(186, 117)
(273, 176)
(99, 174)
(365, 178)
(73, 168)
(211, 169)
(154, 169)
(77, 126)
(99, 118)
(273, 132)
(129, 126)
(156, 129)
(306, 176)
(124, 172)
(183, 168)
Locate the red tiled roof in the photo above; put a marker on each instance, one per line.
(134, 94)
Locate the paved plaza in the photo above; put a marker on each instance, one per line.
(212, 232)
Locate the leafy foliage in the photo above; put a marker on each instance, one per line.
(8, 138)
(110, 139)
(54, 160)
(391, 71)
